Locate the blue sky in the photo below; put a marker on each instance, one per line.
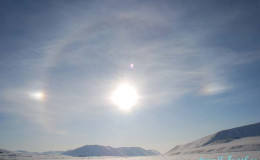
(196, 69)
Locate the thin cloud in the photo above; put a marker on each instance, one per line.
(79, 69)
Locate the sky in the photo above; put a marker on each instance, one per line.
(195, 68)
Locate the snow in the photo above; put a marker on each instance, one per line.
(245, 138)
(243, 144)
(237, 142)
(251, 154)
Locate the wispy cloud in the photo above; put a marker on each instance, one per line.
(170, 52)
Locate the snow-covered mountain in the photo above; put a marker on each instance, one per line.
(97, 150)
(2, 151)
(6, 154)
(53, 152)
(93, 150)
(137, 151)
(245, 138)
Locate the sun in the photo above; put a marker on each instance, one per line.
(125, 97)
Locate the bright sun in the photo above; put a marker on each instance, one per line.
(125, 97)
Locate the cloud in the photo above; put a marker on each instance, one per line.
(170, 52)
(20, 102)
(211, 89)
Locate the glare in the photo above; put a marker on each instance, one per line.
(125, 97)
(131, 65)
(39, 95)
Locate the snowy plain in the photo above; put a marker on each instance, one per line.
(235, 155)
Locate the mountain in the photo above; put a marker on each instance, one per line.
(5, 154)
(93, 150)
(39, 153)
(136, 151)
(245, 138)
(154, 152)
(97, 150)
(22, 151)
(52, 152)
(3, 151)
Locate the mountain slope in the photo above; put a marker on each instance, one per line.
(136, 151)
(236, 133)
(52, 152)
(4, 151)
(154, 152)
(97, 150)
(235, 139)
(93, 150)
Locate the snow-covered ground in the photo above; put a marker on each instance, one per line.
(235, 155)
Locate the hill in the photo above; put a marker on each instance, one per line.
(245, 138)
(98, 150)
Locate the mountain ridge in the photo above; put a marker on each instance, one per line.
(98, 150)
(226, 140)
